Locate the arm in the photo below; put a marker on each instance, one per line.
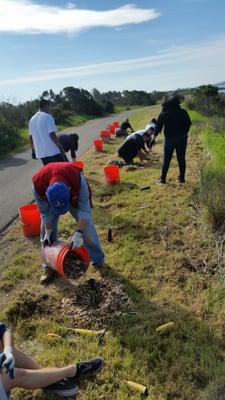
(73, 147)
(55, 140)
(32, 147)
(159, 124)
(132, 130)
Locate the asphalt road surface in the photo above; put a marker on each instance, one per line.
(17, 170)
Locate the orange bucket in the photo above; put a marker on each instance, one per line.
(55, 255)
(98, 143)
(112, 174)
(30, 219)
(105, 135)
(116, 124)
(79, 164)
(112, 129)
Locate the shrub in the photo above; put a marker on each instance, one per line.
(9, 135)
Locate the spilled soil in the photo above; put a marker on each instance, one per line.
(96, 302)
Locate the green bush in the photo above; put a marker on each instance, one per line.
(9, 135)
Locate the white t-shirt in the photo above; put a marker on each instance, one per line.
(40, 125)
(140, 133)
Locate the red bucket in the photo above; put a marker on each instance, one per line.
(116, 124)
(112, 174)
(112, 129)
(98, 143)
(57, 255)
(30, 219)
(105, 135)
(79, 164)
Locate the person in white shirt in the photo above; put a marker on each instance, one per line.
(42, 132)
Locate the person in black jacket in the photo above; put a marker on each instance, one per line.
(69, 142)
(122, 131)
(176, 123)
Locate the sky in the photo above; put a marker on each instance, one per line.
(109, 45)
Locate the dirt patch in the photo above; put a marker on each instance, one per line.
(27, 305)
(74, 267)
(96, 302)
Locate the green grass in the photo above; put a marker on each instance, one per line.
(165, 258)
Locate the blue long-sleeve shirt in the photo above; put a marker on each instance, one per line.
(3, 329)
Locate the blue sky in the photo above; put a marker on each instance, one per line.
(109, 44)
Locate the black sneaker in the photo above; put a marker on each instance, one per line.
(63, 388)
(180, 180)
(88, 368)
(161, 181)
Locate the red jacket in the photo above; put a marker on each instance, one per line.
(58, 172)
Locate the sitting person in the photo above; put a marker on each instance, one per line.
(134, 146)
(17, 370)
(69, 143)
(122, 131)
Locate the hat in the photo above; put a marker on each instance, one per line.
(58, 195)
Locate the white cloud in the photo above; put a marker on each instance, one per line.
(26, 16)
(206, 60)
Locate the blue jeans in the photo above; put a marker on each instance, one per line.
(83, 211)
(170, 144)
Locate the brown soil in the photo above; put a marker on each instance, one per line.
(96, 302)
(74, 267)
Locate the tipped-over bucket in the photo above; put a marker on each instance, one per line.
(30, 219)
(68, 263)
(79, 164)
(112, 174)
(98, 143)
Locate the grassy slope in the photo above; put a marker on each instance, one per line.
(167, 261)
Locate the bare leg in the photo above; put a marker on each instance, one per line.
(35, 379)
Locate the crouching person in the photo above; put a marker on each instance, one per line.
(59, 188)
(17, 370)
(134, 146)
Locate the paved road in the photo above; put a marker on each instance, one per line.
(16, 170)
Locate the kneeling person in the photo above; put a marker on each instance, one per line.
(134, 146)
(58, 188)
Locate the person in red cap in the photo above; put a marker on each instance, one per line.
(58, 188)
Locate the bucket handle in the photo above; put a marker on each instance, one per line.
(21, 223)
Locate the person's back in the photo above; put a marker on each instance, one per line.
(40, 125)
(130, 147)
(175, 120)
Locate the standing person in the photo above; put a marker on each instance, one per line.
(122, 131)
(69, 143)
(42, 133)
(19, 370)
(58, 188)
(176, 123)
(134, 146)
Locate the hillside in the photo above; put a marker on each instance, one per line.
(164, 265)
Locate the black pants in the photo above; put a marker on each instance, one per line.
(57, 158)
(170, 144)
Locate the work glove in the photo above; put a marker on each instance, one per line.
(7, 361)
(77, 240)
(33, 154)
(46, 241)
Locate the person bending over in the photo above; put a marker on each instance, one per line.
(17, 370)
(69, 143)
(122, 131)
(134, 146)
(59, 188)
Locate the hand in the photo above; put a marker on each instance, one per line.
(77, 240)
(33, 154)
(9, 362)
(46, 241)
